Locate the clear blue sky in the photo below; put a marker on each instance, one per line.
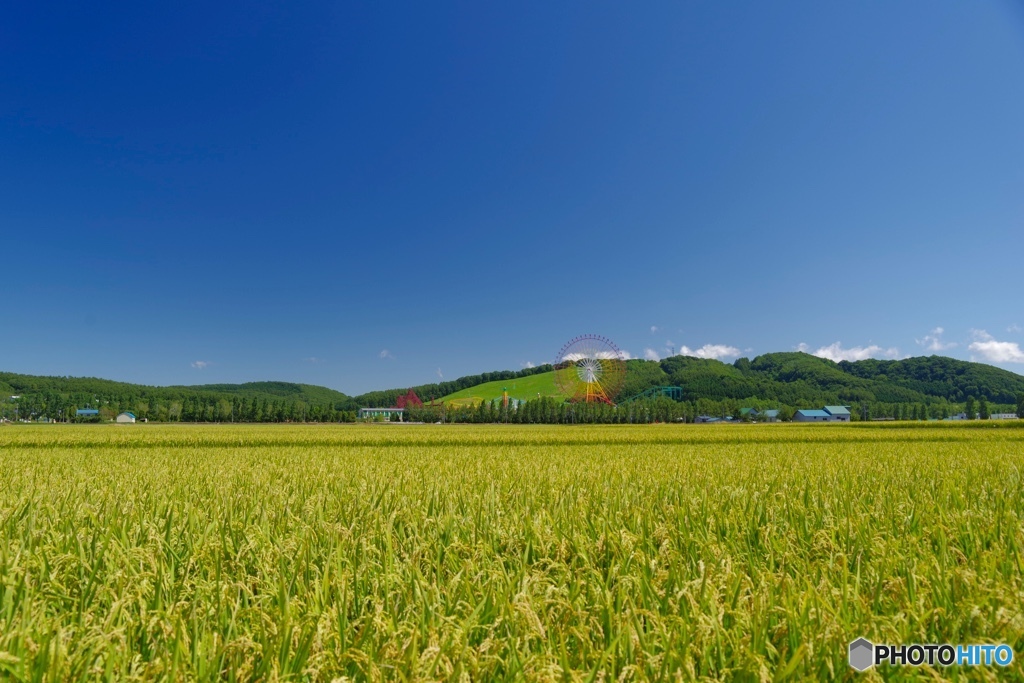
(365, 195)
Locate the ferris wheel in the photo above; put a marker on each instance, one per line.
(590, 369)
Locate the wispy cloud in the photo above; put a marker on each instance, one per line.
(201, 364)
(654, 329)
(527, 364)
(651, 354)
(384, 353)
(624, 355)
(1014, 329)
(714, 351)
(836, 352)
(440, 374)
(987, 348)
(933, 341)
(313, 359)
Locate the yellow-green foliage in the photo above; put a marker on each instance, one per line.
(546, 553)
(523, 388)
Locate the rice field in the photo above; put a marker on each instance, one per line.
(619, 553)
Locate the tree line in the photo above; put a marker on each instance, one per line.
(547, 410)
(51, 405)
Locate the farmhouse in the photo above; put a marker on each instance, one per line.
(87, 412)
(762, 415)
(125, 418)
(828, 414)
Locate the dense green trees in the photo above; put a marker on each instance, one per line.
(915, 388)
(59, 398)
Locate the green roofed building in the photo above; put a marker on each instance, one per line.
(386, 414)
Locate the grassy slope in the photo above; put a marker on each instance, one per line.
(522, 388)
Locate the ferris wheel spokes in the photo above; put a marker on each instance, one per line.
(590, 369)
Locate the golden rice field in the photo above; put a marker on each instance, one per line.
(619, 553)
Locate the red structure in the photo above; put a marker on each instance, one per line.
(409, 400)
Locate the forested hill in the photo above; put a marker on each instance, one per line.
(309, 393)
(796, 380)
(792, 379)
(12, 383)
(253, 401)
(800, 379)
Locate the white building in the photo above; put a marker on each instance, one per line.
(386, 414)
(125, 418)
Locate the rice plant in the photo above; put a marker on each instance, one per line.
(665, 552)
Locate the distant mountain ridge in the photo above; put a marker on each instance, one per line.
(789, 378)
(795, 378)
(14, 384)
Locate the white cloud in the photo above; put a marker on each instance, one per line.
(384, 353)
(625, 355)
(200, 364)
(651, 354)
(654, 328)
(440, 374)
(527, 364)
(985, 346)
(933, 341)
(715, 351)
(313, 359)
(1013, 329)
(836, 352)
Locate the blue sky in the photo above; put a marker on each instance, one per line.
(368, 195)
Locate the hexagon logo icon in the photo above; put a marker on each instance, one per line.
(862, 654)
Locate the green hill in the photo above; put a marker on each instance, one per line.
(308, 393)
(794, 379)
(58, 397)
(800, 379)
(523, 388)
(439, 390)
(33, 384)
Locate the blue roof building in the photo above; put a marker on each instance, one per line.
(838, 411)
(87, 412)
(829, 414)
(810, 416)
